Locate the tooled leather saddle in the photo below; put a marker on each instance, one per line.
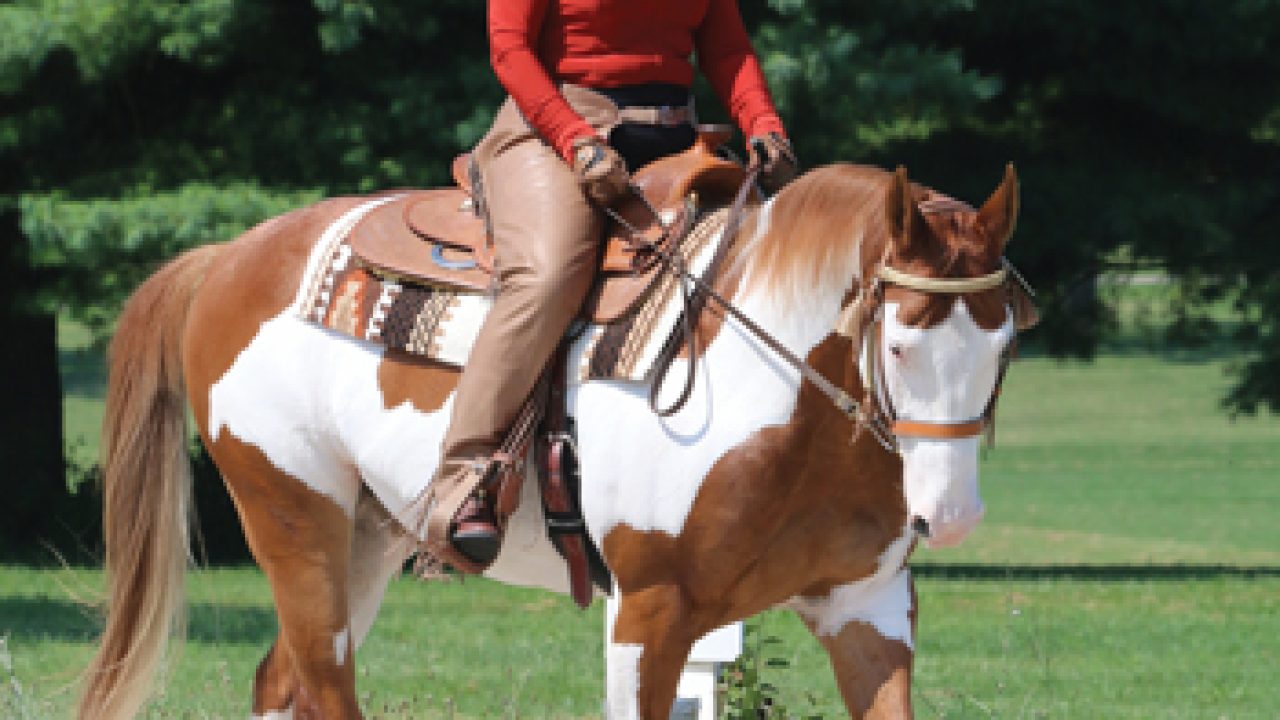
(440, 237)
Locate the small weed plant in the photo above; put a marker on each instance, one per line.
(745, 683)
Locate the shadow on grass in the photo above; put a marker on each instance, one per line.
(1101, 573)
(37, 619)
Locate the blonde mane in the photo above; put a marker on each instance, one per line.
(809, 240)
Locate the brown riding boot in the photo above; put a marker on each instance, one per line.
(462, 529)
(475, 531)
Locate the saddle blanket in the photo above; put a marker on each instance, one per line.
(441, 323)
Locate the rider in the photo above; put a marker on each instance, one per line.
(597, 89)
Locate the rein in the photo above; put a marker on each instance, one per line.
(856, 320)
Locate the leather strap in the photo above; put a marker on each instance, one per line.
(693, 302)
(557, 468)
(938, 431)
(704, 291)
(661, 115)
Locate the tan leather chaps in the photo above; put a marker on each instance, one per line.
(546, 242)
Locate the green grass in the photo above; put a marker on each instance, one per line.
(1026, 645)
(476, 648)
(84, 379)
(1126, 460)
(1129, 567)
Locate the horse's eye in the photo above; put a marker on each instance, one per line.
(896, 351)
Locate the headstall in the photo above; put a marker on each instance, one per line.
(859, 320)
(862, 321)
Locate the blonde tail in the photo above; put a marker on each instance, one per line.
(146, 490)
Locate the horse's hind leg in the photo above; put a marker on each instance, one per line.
(377, 552)
(302, 540)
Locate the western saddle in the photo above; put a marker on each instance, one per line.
(439, 236)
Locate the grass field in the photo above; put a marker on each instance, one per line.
(1129, 567)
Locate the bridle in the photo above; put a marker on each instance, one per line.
(860, 320)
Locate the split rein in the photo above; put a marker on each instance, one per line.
(859, 320)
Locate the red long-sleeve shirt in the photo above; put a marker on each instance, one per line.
(536, 44)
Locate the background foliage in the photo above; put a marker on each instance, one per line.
(1147, 135)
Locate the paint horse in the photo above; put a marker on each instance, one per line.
(760, 492)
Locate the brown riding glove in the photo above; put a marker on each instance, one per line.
(778, 164)
(600, 170)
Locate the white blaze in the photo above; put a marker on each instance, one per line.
(942, 374)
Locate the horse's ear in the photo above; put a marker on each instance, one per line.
(906, 223)
(999, 214)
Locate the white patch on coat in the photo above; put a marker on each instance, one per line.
(622, 686)
(644, 471)
(308, 398)
(286, 714)
(881, 600)
(341, 641)
(941, 374)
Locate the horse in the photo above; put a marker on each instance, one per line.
(804, 484)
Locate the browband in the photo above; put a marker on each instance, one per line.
(944, 285)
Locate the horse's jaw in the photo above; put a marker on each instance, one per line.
(940, 481)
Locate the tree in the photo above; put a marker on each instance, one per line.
(1142, 130)
(131, 129)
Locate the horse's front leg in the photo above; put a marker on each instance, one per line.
(649, 642)
(867, 627)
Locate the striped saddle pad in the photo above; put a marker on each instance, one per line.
(441, 323)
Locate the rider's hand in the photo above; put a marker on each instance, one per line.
(600, 170)
(778, 164)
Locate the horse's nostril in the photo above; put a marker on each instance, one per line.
(921, 526)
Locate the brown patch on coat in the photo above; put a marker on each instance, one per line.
(954, 242)
(795, 507)
(255, 279)
(424, 383)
